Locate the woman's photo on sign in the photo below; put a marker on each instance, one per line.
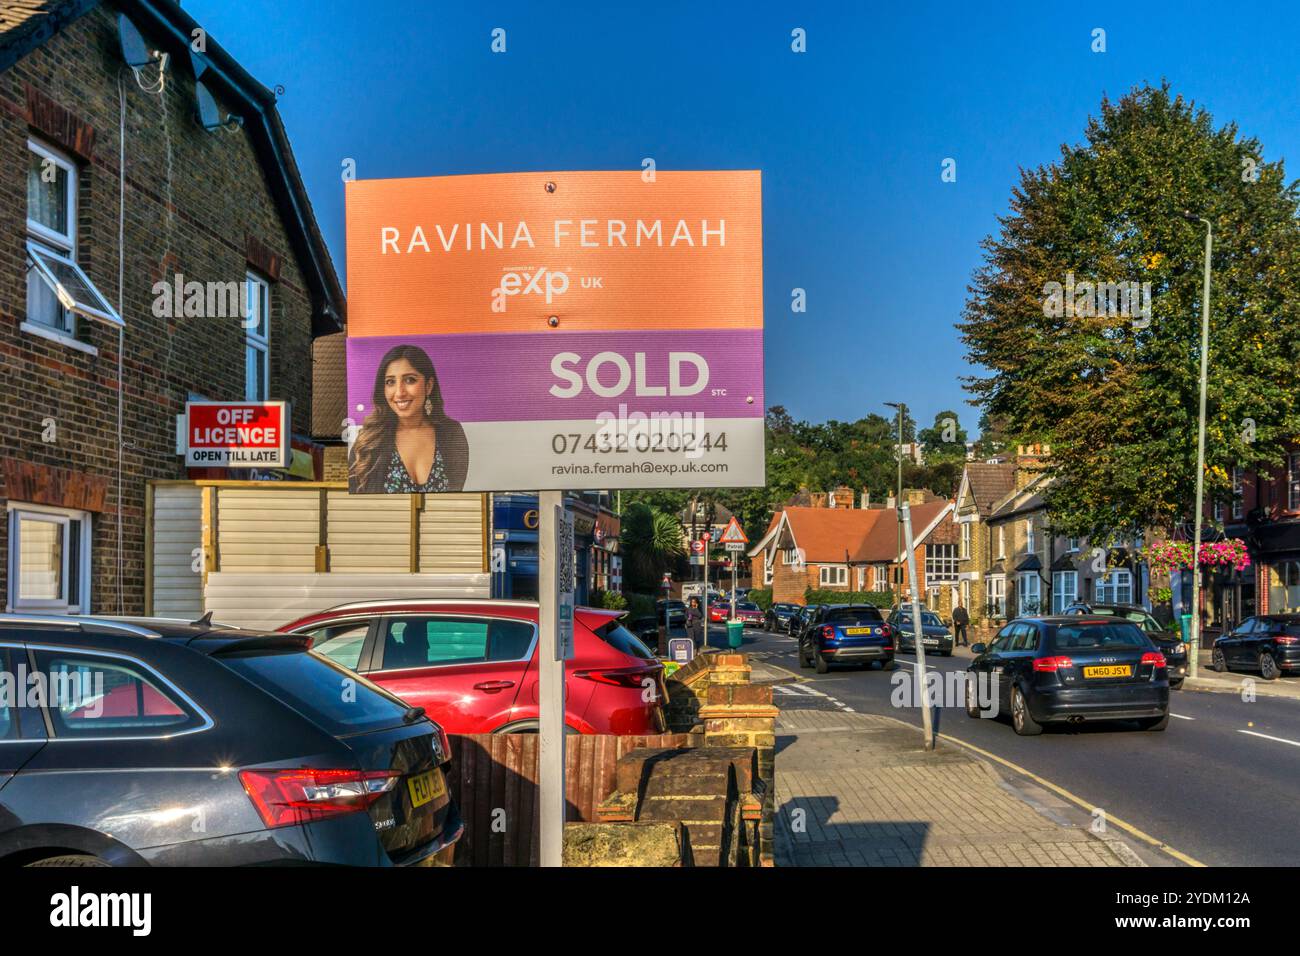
(407, 444)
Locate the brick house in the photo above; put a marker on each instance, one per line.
(831, 545)
(1024, 567)
(95, 369)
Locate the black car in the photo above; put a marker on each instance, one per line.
(846, 634)
(799, 623)
(934, 633)
(1169, 640)
(1068, 669)
(779, 616)
(676, 612)
(1269, 644)
(170, 743)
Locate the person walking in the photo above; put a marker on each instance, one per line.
(961, 620)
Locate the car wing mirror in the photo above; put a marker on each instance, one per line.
(977, 649)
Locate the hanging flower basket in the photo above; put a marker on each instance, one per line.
(1167, 556)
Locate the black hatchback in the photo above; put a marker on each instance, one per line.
(1269, 644)
(170, 743)
(1071, 669)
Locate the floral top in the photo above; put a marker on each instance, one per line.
(399, 481)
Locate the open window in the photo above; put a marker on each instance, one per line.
(70, 285)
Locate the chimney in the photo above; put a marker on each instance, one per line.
(914, 496)
(891, 501)
(1029, 463)
(843, 497)
(819, 499)
(865, 499)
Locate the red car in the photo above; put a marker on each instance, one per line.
(472, 665)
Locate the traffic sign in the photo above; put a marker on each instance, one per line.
(734, 534)
(697, 547)
(735, 546)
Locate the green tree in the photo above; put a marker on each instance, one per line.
(1116, 395)
(651, 542)
(945, 440)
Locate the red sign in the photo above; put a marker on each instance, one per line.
(236, 435)
(734, 534)
(697, 547)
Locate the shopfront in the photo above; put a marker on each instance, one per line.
(514, 547)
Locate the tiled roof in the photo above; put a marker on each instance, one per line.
(990, 482)
(864, 535)
(329, 386)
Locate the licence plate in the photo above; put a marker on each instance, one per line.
(1109, 670)
(859, 630)
(425, 787)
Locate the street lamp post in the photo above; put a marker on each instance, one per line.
(1193, 655)
(898, 501)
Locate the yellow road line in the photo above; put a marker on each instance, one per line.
(1061, 791)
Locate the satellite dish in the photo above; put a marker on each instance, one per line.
(134, 50)
(209, 114)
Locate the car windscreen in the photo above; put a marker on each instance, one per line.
(746, 607)
(852, 615)
(785, 607)
(928, 619)
(1141, 618)
(621, 639)
(1099, 635)
(330, 696)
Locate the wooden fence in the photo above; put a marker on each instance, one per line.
(494, 782)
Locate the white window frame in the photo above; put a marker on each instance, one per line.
(841, 576)
(255, 340)
(1238, 493)
(1108, 588)
(1293, 481)
(62, 517)
(995, 596)
(1002, 541)
(1062, 596)
(940, 564)
(1072, 544)
(1024, 592)
(964, 553)
(767, 566)
(1029, 536)
(54, 242)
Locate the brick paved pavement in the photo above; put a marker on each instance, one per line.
(858, 790)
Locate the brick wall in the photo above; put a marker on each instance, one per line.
(197, 203)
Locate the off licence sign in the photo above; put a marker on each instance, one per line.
(236, 435)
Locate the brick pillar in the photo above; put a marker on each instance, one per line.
(740, 714)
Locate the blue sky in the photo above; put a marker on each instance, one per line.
(850, 135)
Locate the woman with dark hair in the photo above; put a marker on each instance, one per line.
(408, 444)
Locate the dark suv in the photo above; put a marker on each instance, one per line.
(1169, 640)
(1269, 643)
(174, 743)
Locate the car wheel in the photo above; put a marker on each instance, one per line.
(1268, 666)
(1154, 723)
(1021, 719)
(72, 859)
(1217, 661)
(1176, 684)
(822, 666)
(972, 703)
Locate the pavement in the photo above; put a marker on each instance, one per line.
(860, 790)
(1185, 796)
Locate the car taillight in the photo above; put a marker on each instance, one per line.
(885, 631)
(287, 797)
(828, 633)
(1154, 657)
(1050, 664)
(1286, 639)
(619, 676)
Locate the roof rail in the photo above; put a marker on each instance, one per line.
(499, 602)
(82, 621)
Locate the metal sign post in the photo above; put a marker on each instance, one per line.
(555, 646)
(926, 723)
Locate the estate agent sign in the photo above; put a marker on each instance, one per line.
(534, 331)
